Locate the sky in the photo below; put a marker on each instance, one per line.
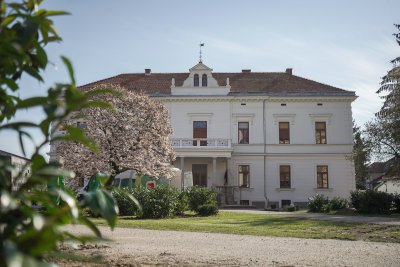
(347, 44)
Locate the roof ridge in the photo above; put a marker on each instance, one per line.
(99, 81)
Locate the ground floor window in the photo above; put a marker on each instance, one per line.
(284, 173)
(244, 175)
(322, 176)
(285, 203)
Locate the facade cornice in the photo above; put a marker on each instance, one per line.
(317, 155)
(249, 98)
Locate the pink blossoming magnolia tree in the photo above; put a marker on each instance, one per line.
(132, 136)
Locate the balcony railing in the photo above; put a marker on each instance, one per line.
(201, 142)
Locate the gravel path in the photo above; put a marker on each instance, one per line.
(137, 247)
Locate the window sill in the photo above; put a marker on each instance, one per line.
(285, 189)
(245, 188)
(323, 189)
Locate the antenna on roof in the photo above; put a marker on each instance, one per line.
(200, 45)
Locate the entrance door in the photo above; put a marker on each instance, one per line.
(199, 174)
(200, 131)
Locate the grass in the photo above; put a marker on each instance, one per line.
(266, 225)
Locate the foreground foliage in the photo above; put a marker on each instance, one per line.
(267, 225)
(30, 219)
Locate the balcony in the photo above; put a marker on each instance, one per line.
(201, 142)
(202, 147)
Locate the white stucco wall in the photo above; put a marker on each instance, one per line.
(302, 154)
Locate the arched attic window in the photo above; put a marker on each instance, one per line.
(204, 80)
(196, 80)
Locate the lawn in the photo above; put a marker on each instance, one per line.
(266, 225)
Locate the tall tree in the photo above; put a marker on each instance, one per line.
(134, 136)
(361, 156)
(384, 131)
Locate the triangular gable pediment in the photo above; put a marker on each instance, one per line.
(200, 67)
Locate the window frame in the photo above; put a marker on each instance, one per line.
(320, 178)
(281, 132)
(204, 80)
(196, 80)
(320, 134)
(282, 181)
(245, 135)
(197, 131)
(245, 175)
(81, 124)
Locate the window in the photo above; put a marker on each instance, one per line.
(320, 132)
(200, 132)
(244, 175)
(284, 171)
(285, 203)
(243, 132)
(322, 176)
(204, 80)
(284, 134)
(196, 80)
(81, 124)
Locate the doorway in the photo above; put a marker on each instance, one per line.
(199, 174)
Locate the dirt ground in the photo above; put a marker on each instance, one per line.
(137, 247)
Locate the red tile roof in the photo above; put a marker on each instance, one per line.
(274, 83)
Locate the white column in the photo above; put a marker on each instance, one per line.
(214, 171)
(183, 172)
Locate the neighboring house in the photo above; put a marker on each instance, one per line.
(378, 171)
(258, 138)
(389, 185)
(19, 164)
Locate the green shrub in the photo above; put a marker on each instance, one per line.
(182, 204)
(126, 206)
(371, 201)
(159, 202)
(396, 202)
(337, 203)
(207, 210)
(200, 196)
(290, 208)
(317, 203)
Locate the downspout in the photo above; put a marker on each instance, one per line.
(265, 157)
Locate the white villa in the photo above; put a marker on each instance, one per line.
(260, 139)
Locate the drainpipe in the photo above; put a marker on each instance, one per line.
(265, 157)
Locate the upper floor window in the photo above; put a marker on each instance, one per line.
(243, 132)
(196, 80)
(244, 175)
(200, 132)
(322, 176)
(320, 132)
(284, 173)
(204, 80)
(284, 133)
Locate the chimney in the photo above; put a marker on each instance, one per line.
(289, 71)
(147, 72)
(246, 70)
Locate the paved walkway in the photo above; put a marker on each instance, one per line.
(326, 217)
